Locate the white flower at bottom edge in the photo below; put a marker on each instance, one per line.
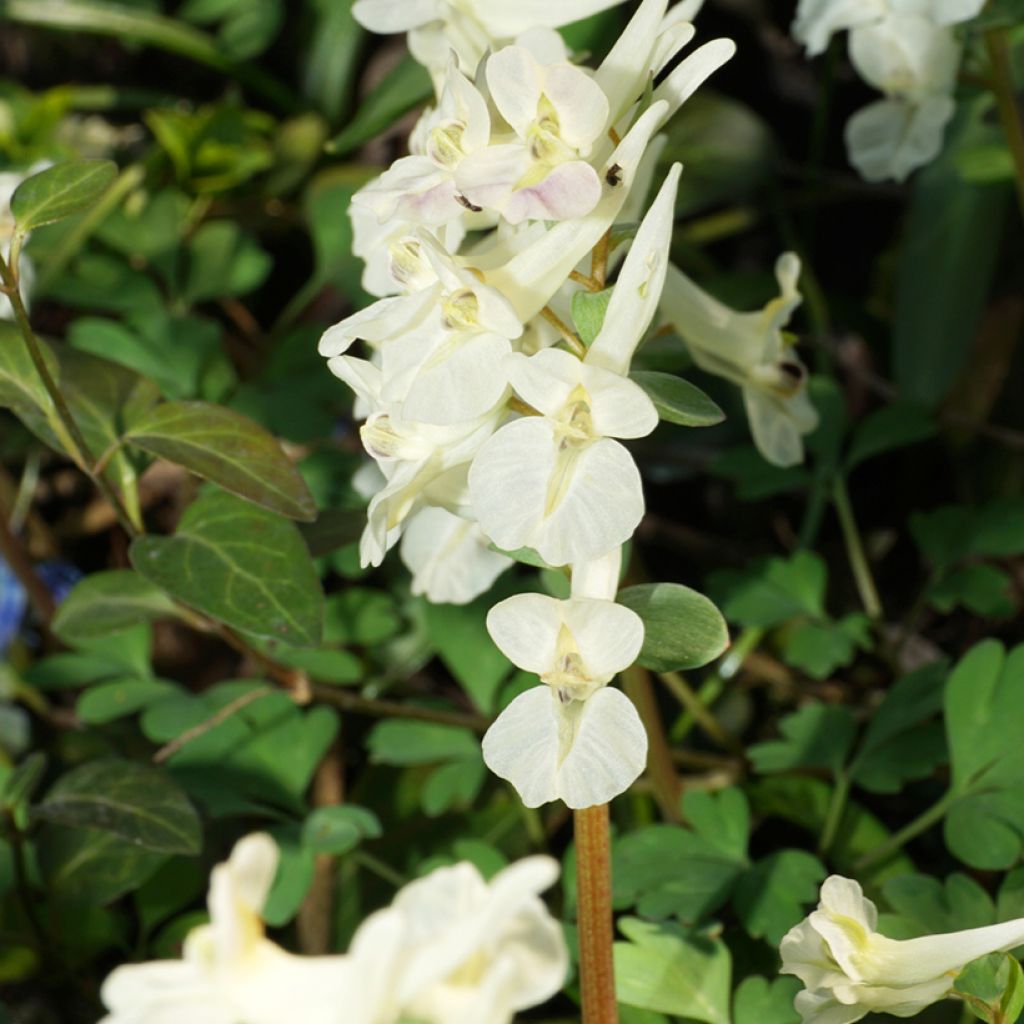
(892, 138)
(850, 970)
(558, 483)
(230, 972)
(749, 349)
(575, 738)
(451, 560)
(455, 949)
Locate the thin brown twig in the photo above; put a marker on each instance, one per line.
(568, 336)
(238, 704)
(21, 565)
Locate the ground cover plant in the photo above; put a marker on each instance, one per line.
(511, 511)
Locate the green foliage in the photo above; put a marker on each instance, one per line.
(588, 313)
(992, 988)
(677, 400)
(60, 191)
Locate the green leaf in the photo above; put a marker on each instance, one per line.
(23, 781)
(776, 591)
(981, 588)
(984, 705)
(815, 736)
(404, 88)
(997, 529)
(227, 448)
(402, 742)
(760, 1001)
(223, 261)
(930, 906)
(939, 295)
(294, 876)
(332, 529)
(108, 602)
(452, 786)
(993, 988)
(666, 970)
(247, 27)
(136, 802)
(889, 428)
(588, 312)
(771, 896)
(22, 389)
(60, 191)
(819, 648)
(682, 629)
(339, 829)
(361, 616)
(91, 867)
(241, 565)
(120, 698)
(900, 742)
(677, 400)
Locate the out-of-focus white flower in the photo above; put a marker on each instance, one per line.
(229, 971)
(450, 559)
(420, 188)
(557, 112)
(892, 138)
(575, 739)
(849, 970)
(558, 482)
(469, 27)
(455, 949)
(750, 350)
(907, 49)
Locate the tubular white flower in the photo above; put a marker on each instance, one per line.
(230, 971)
(750, 350)
(558, 483)
(849, 970)
(451, 560)
(818, 20)
(454, 949)
(575, 739)
(906, 55)
(557, 112)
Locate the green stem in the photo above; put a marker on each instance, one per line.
(700, 711)
(80, 449)
(834, 815)
(169, 34)
(23, 889)
(668, 787)
(594, 915)
(69, 245)
(1006, 97)
(855, 550)
(899, 839)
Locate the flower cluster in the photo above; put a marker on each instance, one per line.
(450, 949)
(906, 49)
(492, 426)
(849, 970)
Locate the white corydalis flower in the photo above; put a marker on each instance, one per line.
(450, 559)
(455, 949)
(559, 482)
(229, 970)
(849, 969)
(574, 739)
(421, 188)
(750, 350)
(556, 112)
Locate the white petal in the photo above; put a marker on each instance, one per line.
(460, 382)
(525, 629)
(545, 45)
(776, 434)
(686, 79)
(568, 191)
(622, 75)
(641, 280)
(608, 635)
(376, 323)
(598, 577)
(516, 84)
(891, 138)
(505, 18)
(619, 406)
(487, 177)
(817, 20)
(821, 1007)
(952, 12)
(415, 189)
(581, 106)
(522, 746)
(387, 16)
(544, 380)
(608, 752)
(361, 376)
(909, 57)
(449, 557)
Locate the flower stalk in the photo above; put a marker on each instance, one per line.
(1006, 98)
(594, 910)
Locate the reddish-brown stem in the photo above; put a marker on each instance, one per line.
(594, 915)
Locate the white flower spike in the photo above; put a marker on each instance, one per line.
(575, 739)
(230, 971)
(849, 969)
(750, 350)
